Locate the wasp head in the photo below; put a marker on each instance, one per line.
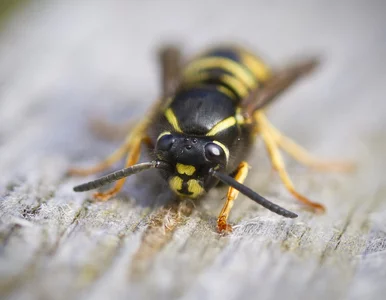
(191, 158)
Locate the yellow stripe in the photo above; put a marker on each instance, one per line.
(224, 148)
(231, 81)
(235, 84)
(258, 67)
(175, 183)
(222, 125)
(185, 169)
(195, 188)
(162, 134)
(226, 91)
(172, 119)
(238, 70)
(198, 77)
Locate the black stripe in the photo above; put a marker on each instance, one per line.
(226, 53)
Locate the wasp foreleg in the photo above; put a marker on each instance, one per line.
(108, 162)
(240, 175)
(132, 158)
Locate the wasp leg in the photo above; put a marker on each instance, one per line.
(302, 155)
(278, 163)
(132, 158)
(127, 146)
(170, 60)
(241, 175)
(108, 162)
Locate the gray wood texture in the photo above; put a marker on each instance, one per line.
(64, 63)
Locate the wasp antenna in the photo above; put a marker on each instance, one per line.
(253, 195)
(120, 174)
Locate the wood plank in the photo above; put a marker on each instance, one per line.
(67, 64)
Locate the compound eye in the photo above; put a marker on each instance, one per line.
(165, 142)
(215, 153)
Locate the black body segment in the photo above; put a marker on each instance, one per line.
(192, 105)
(226, 52)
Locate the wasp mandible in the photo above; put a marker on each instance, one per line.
(203, 127)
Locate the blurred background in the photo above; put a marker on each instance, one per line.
(63, 63)
(99, 58)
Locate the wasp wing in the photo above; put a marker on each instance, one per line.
(170, 58)
(280, 81)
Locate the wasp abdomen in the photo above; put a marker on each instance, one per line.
(234, 71)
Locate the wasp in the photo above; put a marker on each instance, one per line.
(201, 130)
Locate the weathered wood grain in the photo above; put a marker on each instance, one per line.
(63, 63)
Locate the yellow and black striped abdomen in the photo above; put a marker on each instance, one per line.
(234, 71)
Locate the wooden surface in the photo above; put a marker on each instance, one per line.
(62, 64)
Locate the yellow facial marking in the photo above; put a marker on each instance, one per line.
(258, 68)
(222, 125)
(226, 64)
(224, 148)
(175, 184)
(162, 134)
(185, 169)
(172, 119)
(195, 188)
